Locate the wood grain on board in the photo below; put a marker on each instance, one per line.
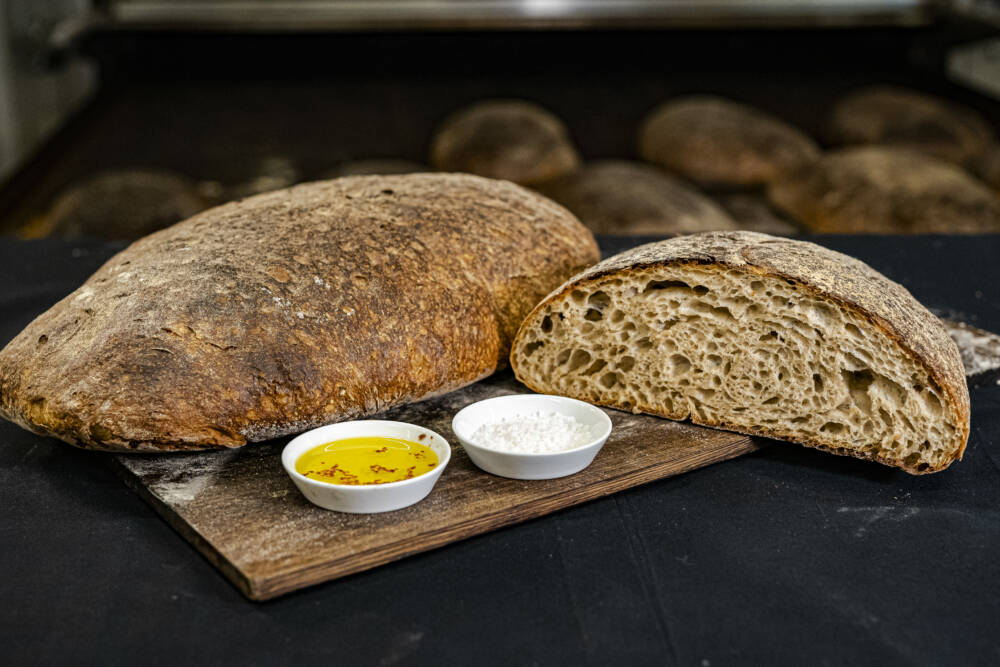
(241, 510)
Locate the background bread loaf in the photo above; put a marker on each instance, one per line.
(294, 308)
(884, 190)
(894, 116)
(619, 197)
(756, 334)
(716, 142)
(509, 139)
(120, 204)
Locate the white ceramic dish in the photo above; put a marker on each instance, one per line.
(365, 498)
(530, 466)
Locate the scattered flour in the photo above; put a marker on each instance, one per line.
(980, 349)
(533, 433)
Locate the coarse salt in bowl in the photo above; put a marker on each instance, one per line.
(531, 436)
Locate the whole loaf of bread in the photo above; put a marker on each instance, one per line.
(314, 304)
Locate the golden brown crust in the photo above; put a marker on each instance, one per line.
(619, 197)
(841, 278)
(508, 139)
(894, 116)
(720, 143)
(294, 308)
(879, 189)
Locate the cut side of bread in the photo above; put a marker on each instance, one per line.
(760, 335)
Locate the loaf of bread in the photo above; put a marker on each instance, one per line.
(718, 143)
(374, 167)
(619, 197)
(322, 302)
(754, 213)
(986, 166)
(760, 335)
(509, 139)
(895, 116)
(884, 190)
(120, 204)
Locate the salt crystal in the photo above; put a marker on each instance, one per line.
(533, 433)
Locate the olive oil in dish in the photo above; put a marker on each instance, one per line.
(366, 460)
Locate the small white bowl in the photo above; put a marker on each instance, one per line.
(365, 498)
(530, 466)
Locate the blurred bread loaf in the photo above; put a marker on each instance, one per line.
(120, 204)
(883, 190)
(753, 212)
(718, 143)
(893, 116)
(373, 167)
(507, 139)
(619, 197)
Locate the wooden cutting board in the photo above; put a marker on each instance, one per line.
(242, 512)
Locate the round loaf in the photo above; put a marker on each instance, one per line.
(753, 212)
(618, 197)
(719, 143)
(374, 167)
(291, 309)
(756, 334)
(122, 204)
(882, 190)
(905, 118)
(508, 139)
(986, 166)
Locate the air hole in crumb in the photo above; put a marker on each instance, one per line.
(43, 339)
(833, 428)
(530, 348)
(681, 363)
(593, 315)
(546, 324)
(579, 358)
(654, 285)
(609, 380)
(599, 300)
(578, 296)
(817, 382)
(594, 367)
(626, 364)
(563, 357)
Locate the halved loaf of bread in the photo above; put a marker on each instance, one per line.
(756, 334)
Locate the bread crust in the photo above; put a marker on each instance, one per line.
(294, 308)
(847, 281)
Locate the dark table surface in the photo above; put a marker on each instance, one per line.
(785, 557)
